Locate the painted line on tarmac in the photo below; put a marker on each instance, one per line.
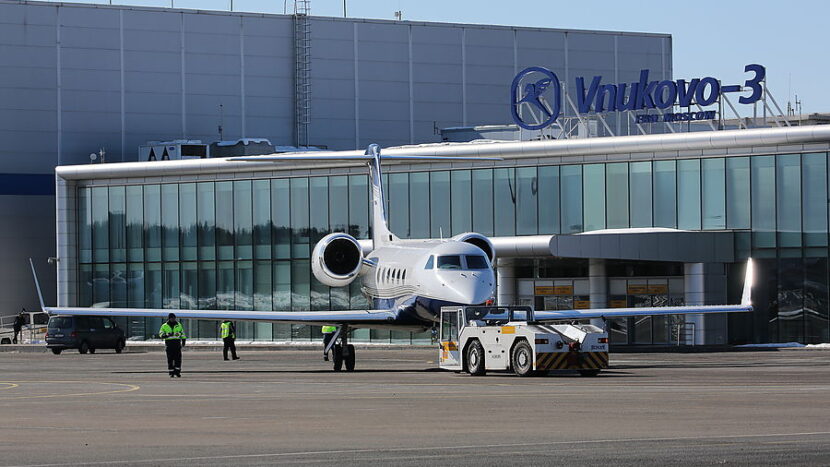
(9, 386)
(434, 448)
(127, 388)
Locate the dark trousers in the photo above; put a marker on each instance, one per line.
(16, 333)
(173, 348)
(229, 344)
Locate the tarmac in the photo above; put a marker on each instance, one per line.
(288, 407)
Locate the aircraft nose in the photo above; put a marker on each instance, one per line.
(473, 287)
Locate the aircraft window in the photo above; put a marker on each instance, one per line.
(476, 262)
(429, 262)
(403, 276)
(449, 262)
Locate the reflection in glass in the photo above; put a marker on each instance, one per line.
(593, 193)
(135, 223)
(358, 206)
(688, 194)
(483, 201)
(244, 299)
(190, 286)
(187, 221)
(398, 192)
(816, 304)
(504, 197)
(118, 285)
(281, 218)
(527, 201)
(207, 285)
(282, 286)
(85, 225)
(319, 208)
(300, 285)
(549, 200)
(85, 283)
(439, 204)
(117, 223)
(262, 286)
(170, 222)
(171, 284)
(763, 201)
(737, 193)
(665, 194)
(640, 188)
(243, 224)
(100, 228)
(788, 190)
(616, 176)
(462, 213)
(790, 300)
(224, 220)
(418, 206)
(262, 221)
(152, 223)
(206, 219)
(153, 292)
(814, 203)
(135, 285)
(339, 203)
(571, 198)
(714, 194)
(225, 285)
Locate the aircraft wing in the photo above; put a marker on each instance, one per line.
(610, 313)
(353, 318)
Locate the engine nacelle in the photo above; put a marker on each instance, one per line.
(337, 260)
(480, 241)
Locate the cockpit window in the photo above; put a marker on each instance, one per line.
(476, 262)
(429, 262)
(449, 262)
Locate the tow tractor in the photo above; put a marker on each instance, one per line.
(476, 339)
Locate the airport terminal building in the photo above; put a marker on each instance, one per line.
(638, 220)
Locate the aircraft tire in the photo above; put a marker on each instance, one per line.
(337, 357)
(350, 358)
(475, 359)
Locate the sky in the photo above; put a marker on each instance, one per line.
(709, 38)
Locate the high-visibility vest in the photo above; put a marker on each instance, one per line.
(225, 330)
(329, 329)
(170, 333)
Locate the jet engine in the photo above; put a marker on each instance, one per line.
(480, 241)
(337, 259)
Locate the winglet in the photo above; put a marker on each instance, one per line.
(746, 297)
(37, 286)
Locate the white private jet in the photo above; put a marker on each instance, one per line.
(407, 281)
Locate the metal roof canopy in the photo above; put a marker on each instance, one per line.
(648, 245)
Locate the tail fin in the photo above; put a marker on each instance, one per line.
(380, 230)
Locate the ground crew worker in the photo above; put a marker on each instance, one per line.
(328, 335)
(228, 332)
(174, 339)
(19, 321)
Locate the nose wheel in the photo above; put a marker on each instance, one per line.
(342, 352)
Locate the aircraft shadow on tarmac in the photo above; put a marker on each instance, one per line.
(604, 374)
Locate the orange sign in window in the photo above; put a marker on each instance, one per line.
(617, 303)
(658, 289)
(555, 290)
(582, 304)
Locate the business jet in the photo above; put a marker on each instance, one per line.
(406, 281)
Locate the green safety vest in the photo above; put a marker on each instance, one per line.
(329, 329)
(170, 333)
(225, 330)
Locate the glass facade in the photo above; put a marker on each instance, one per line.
(246, 244)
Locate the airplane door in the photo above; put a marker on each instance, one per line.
(450, 357)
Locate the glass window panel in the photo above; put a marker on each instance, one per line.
(439, 204)
(118, 285)
(790, 299)
(571, 198)
(616, 179)
(171, 281)
(418, 208)
(152, 223)
(263, 331)
(319, 295)
(244, 288)
(281, 218)
(170, 222)
(527, 201)
(356, 299)
(339, 297)
(243, 224)
(788, 190)
(100, 221)
(504, 197)
(763, 201)
(814, 199)
(187, 221)
(359, 206)
(262, 286)
(688, 194)
(85, 225)
(117, 223)
(135, 285)
(101, 285)
(135, 223)
(205, 218)
(483, 201)
(737, 193)
(665, 194)
(262, 220)
(714, 194)
(85, 284)
(153, 292)
(282, 286)
(398, 215)
(225, 285)
(593, 193)
(816, 305)
(207, 285)
(641, 192)
(224, 220)
(549, 200)
(299, 218)
(462, 209)
(190, 286)
(300, 285)
(339, 203)
(319, 208)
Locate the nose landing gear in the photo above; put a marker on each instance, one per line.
(342, 352)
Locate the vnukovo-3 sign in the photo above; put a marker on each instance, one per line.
(536, 91)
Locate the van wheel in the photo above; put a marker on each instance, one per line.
(84, 348)
(522, 359)
(91, 350)
(119, 346)
(57, 351)
(475, 359)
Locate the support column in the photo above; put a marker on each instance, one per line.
(598, 286)
(505, 282)
(693, 283)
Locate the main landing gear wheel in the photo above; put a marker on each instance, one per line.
(522, 359)
(349, 357)
(475, 359)
(337, 357)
